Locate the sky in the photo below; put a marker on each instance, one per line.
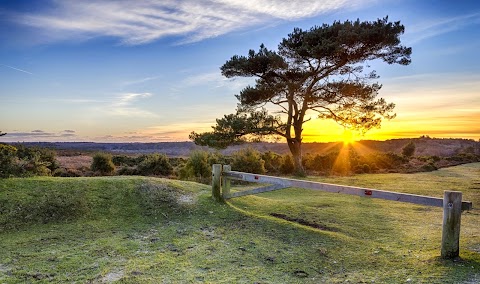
(149, 71)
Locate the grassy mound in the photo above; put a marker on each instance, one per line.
(46, 200)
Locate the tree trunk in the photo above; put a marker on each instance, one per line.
(295, 147)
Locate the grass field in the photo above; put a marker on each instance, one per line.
(148, 230)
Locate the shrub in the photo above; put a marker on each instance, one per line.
(123, 160)
(199, 166)
(273, 161)
(103, 164)
(155, 164)
(287, 166)
(127, 171)
(7, 160)
(64, 172)
(409, 149)
(362, 169)
(37, 161)
(428, 167)
(324, 163)
(248, 160)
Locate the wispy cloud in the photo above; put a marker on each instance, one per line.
(17, 69)
(39, 135)
(123, 105)
(139, 81)
(216, 80)
(144, 21)
(434, 27)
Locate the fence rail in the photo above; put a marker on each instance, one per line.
(280, 183)
(451, 202)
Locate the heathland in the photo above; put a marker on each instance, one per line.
(154, 230)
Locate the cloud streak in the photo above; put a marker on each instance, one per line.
(17, 69)
(139, 81)
(39, 135)
(435, 27)
(144, 21)
(123, 105)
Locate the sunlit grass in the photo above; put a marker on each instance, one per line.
(363, 240)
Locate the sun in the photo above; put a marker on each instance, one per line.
(348, 137)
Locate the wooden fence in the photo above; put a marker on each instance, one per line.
(451, 202)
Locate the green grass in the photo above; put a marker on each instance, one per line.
(148, 230)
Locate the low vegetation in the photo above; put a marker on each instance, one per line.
(338, 160)
(103, 164)
(24, 161)
(152, 230)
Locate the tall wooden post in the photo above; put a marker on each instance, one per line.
(452, 212)
(216, 182)
(226, 183)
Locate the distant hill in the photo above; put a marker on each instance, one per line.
(424, 146)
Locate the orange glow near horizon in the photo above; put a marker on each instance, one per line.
(404, 126)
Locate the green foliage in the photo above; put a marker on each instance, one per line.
(123, 160)
(429, 167)
(199, 166)
(27, 161)
(322, 163)
(248, 160)
(364, 169)
(102, 163)
(273, 162)
(62, 172)
(287, 165)
(409, 149)
(155, 164)
(7, 160)
(238, 128)
(128, 171)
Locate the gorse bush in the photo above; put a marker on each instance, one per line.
(122, 160)
(287, 165)
(23, 161)
(8, 156)
(155, 164)
(273, 162)
(248, 160)
(102, 163)
(199, 166)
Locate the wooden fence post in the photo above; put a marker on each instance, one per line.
(226, 182)
(216, 182)
(452, 212)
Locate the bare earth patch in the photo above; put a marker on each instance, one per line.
(4, 268)
(112, 276)
(186, 199)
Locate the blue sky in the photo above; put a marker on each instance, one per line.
(148, 71)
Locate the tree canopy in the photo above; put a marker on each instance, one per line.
(322, 70)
